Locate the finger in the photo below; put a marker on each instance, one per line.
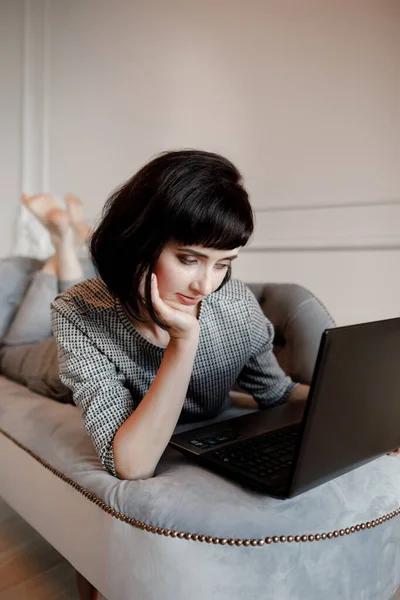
(161, 308)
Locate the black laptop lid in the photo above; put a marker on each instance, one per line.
(354, 412)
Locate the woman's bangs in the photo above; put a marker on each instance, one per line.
(223, 233)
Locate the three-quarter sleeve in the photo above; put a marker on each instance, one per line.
(98, 387)
(262, 377)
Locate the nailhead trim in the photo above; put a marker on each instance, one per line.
(199, 537)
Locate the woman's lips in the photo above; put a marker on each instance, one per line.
(187, 300)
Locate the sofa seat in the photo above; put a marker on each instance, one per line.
(118, 533)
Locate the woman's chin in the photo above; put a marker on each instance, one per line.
(176, 305)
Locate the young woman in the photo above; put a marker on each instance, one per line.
(163, 333)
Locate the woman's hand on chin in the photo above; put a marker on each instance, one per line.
(181, 325)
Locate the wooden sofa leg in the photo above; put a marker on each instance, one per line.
(85, 589)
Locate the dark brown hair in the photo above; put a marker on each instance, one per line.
(190, 196)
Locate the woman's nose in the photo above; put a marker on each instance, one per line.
(203, 285)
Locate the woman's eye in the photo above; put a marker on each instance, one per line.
(187, 261)
(222, 266)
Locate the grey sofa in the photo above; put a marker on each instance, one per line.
(188, 533)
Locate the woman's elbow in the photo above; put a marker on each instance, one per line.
(126, 468)
(132, 474)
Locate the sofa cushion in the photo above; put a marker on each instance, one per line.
(182, 493)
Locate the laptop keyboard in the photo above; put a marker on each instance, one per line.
(264, 455)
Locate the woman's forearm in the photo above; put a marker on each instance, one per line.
(141, 440)
(299, 393)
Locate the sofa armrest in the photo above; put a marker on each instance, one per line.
(299, 319)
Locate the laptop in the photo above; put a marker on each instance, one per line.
(351, 417)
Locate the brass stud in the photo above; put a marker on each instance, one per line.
(208, 539)
(290, 538)
(180, 535)
(187, 536)
(282, 538)
(163, 531)
(201, 538)
(215, 540)
(275, 539)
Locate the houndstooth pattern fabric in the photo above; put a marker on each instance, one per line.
(109, 366)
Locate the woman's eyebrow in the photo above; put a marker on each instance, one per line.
(195, 253)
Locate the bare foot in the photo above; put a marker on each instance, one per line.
(41, 206)
(81, 229)
(59, 225)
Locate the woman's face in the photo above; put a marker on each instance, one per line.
(187, 274)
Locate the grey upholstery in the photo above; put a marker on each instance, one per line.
(299, 319)
(50, 473)
(126, 563)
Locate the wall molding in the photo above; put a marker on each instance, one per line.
(373, 225)
(340, 205)
(30, 238)
(345, 226)
(35, 96)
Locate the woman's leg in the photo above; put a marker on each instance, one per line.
(32, 323)
(15, 276)
(29, 353)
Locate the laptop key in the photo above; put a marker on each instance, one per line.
(264, 456)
